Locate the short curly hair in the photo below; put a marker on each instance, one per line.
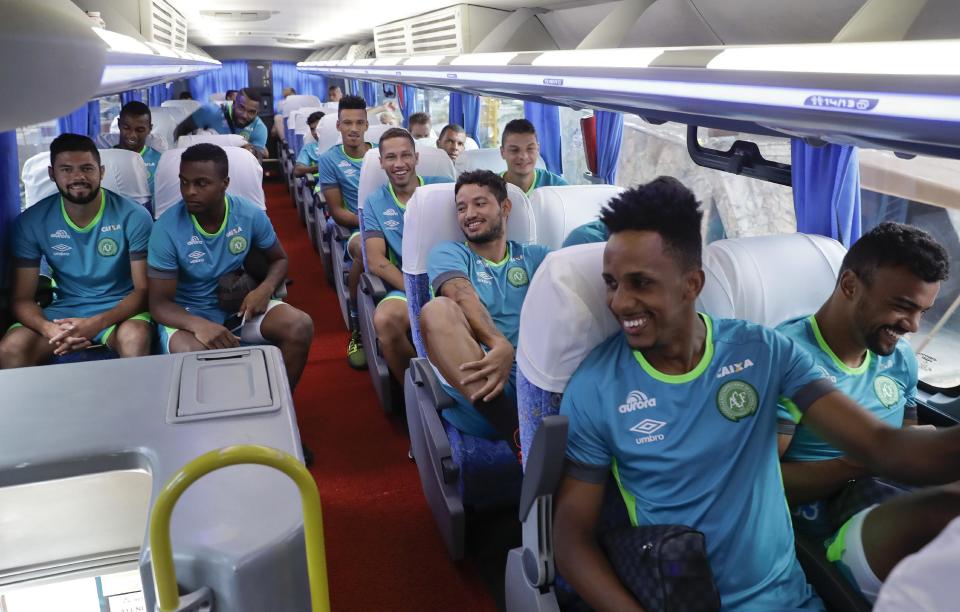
(665, 206)
(492, 181)
(894, 245)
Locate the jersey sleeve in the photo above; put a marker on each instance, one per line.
(801, 383)
(26, 248)
(371, 223)
(264, 235)
(446, 261)
(138, 233)
(537, 253)
(208, 116)
(327, 172)
(588, 233)
(557, 180)
(586, 446)
(303, 157)
(162, 254)
(258, 137)
(910, 395)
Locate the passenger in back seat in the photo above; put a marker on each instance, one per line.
(136, 123)
(452, 139)
(683, 409)
(419, 125)
(470, 328)
(95, 242)
(383, 236)
(888, 279)
(520, 148)
(199, 240)
(238, 117)
(308, 156)
(594, 231)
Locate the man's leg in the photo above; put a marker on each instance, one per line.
(356, 356)
(179, 341)
(132, 337)
(392, 322)
(290, 329)
(22, 347)
(450, 343)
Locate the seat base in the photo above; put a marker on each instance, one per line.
(519, 594)
(832, 587)
(383, 383)
(340, 272)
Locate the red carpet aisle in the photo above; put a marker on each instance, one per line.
(383, 550)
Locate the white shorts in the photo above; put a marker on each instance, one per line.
(249, 333)
(846, 548)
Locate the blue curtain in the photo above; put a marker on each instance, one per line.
(285, 74)
(93, 119)
(85, 120)
(471, 115)
(231, 75)
(130, 96)
(370, 93)
(456, 108)
(546, 119)
(158, 94)
(9, 194)
(609, 135)
(826, 190)
(409, 106)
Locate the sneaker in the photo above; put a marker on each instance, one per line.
(356, 356)
(307, 455)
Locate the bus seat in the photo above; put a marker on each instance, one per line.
(560, 210)
(432, 162)
(221, 140)
(485, 159)
(165, 122)
(125, 174)
(456, 470)
(111, 139)
(299, 135)
(425, 143)
(190, 105)
(220, 96)
(295, 101)
(470, 144)
(246, 178)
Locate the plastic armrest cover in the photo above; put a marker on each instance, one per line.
(373, 286)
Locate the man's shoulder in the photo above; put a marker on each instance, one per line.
(601, 358)
(244, 207)
(741, 332)
(127, 208)
(449, 247)
(40, 210)
(433, 180)
(171, 218)
(530, 250)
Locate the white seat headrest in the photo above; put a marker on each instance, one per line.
(246, 178)
(298, 119)
(110, 140)
(190, 105)
(296, 101)
(769, 279)
(220, 96)
(327, 134)
(484, 159)
(124, 174)
(562, 209)
(432, 162)
(425, 143)
(431, 218)
(221, 140)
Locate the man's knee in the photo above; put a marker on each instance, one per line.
(291, 325)
(15, 350)
(133, 338)
(353, 247)
(391, 320)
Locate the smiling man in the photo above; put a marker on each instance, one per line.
(470, 329)
(95, 242)
(238, 117)
(521, 150)
(888, 280)
(136, 123)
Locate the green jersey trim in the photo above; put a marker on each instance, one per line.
(93, 223)
(393, 194)
(701, 367)
(836, 360)
(533, 185)
(354, 159)
(223, 225)
(629, 500)
(495, 264)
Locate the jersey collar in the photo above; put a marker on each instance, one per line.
(93, 223)
(699, 369)
(393, 194)
(358, 160)
(533, 185)
(494, 264)
(829, 351)
(223, 225)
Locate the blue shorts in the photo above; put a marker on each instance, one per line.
(395, 294)
(468, 419)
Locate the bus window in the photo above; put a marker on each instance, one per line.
(109, 109)
(572, 151)
(735, 206)
(33, 139)
(925, 192)
(437, 102)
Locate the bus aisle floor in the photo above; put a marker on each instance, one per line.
(383, 549)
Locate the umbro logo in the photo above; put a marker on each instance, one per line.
(196, 256)
(484, 277)
(390, 212)
(62, 249)
(60, 234)
(733, 368)
(648, 429)
(194, 240)
(391, 224)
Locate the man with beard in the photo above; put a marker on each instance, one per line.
(136, 123)
(470, 329)
(237, 117)
(888, 280)
(383, 236)
(95, 242)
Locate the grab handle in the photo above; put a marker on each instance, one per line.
(161, 553)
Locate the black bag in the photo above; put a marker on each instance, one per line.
(664, 566)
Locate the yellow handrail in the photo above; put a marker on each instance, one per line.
(161, 554)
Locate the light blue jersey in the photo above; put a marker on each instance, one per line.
(337, 169)
(150, 157)
(544, 178)
(383, 217)
(308, 155)
(700, 449)
(214, 117)
(501, 287)
(91, 264)
(594, 231)
(181, 249)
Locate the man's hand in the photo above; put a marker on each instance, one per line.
(72, 334)
(494, 368)
(255, 304)
(215, 336)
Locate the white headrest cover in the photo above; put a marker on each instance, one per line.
(560, 210)
(567, 293)
(219, 96)
(110, 140)
(246, 178)
(298, 119)
(190, 105)
(473, 158)
(769, 279)
(327, 134)
(425, 143)
(296, 101)
(431, 218)
(221, 140)
(433, 162)
(125, 174)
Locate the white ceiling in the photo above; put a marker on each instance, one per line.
(318, 23)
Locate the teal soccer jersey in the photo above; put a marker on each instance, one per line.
(700, 449)
(544, 178)
(337, 169)
(308, 155)
(90, 264)
(181, 249)
(383, 217)
(214, 117)
(595, 231)
(151, 157)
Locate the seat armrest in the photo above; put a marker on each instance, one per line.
(544, 462)
(373, 286)
(341, 233)
(423, 375)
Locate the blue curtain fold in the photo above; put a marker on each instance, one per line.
(85, 120)
(409, 105)
(285, 74)
(93, 119)
(231, 75)
(546, 119)
(9, 194)
(370, 93)
(158, 94)
(826, 190)
(130, 96)
(609, 136)
(456, 108)
(471, 115)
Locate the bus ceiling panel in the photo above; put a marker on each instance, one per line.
(53, 60)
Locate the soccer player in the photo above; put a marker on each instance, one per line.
(470, 329)
(200, 239)
(452, 139)
(683, 409)
(136, 123)
(237, 117)
(521, 150)
(594, 231)
(95, 242)
(419, 125)
(888, 279)
(383, 235)
(309, 155)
